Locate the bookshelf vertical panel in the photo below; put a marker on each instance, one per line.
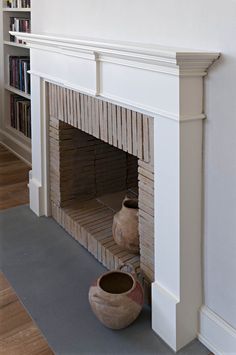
(15, 130)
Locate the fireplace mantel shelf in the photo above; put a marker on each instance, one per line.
(189, 62)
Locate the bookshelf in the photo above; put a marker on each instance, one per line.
(14, 91)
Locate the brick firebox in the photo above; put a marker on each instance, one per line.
(100, 152)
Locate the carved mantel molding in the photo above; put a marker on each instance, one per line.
(146, 62)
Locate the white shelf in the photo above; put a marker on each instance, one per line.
(26, 9)
(14, 44)
(18, 92)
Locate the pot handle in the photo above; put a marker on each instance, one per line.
(130, 268)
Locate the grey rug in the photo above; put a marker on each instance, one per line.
(51, 273)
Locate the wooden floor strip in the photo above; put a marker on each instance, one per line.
(19, 335)
(13, 180)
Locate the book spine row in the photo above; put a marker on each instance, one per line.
(19, 77)
(18, 4)
(20, 114)
(18, 24)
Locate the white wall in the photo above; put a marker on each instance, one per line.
(202, 24)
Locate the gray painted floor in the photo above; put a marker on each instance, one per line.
(51, 274)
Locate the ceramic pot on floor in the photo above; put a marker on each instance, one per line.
(125, 226)
(116, 298)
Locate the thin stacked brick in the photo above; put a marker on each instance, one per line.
(89, 144)
(90, 223)
(120, 127)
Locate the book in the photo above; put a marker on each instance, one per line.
(19, 77)
(20, 114)
(18, 4)
(19, 24)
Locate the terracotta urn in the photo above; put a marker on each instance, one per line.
(125, 226)
(116, 298)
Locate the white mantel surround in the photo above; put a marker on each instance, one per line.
(167, 84)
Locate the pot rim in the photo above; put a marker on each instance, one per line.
(128, 200)
(120, 272)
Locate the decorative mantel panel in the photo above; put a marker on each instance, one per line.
(164, 83)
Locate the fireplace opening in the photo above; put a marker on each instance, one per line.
(89, 181)
(101, 158)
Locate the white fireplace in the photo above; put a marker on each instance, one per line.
(166, 84)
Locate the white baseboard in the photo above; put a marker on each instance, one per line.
(18, 148)
(164, 323)
(16, 154)
(171, 319)
(36, 196)
(217, 335)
